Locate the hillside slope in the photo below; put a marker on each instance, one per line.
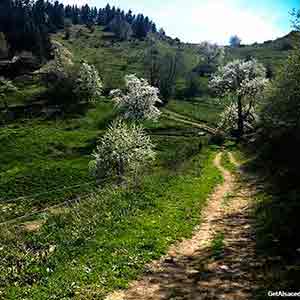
(271, 53)
(114, 59)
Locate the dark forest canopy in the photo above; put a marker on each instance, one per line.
(26, 25)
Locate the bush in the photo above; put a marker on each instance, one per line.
(280, 121)
(68, 85)
(217, 139)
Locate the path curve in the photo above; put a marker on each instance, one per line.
(190, 271)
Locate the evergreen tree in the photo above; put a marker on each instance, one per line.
(235, 41)
(68, 12)
(58, 15)
(139, 28)
(86, 14)
(26, 24)
(129, 17)
(76, 15)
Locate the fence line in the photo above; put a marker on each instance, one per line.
(46, 193)
(31, 214)
(79, 198)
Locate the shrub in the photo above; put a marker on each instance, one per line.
(68, 85)
(280, 118)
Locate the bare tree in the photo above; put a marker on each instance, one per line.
(163, 69)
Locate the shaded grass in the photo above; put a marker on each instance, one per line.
(276, 212)
(26, 93)
(277, 241)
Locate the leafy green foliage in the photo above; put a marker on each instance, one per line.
(217, 244)
(281, 110)
(280, 121)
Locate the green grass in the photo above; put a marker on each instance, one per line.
(227, 164)
(271, 57)
(25, 94)
(267, 56)
(115, 59)
(103, 243)
(271, 53)
(38, 157)
(217, 244)
(205, 110)
(46, 162)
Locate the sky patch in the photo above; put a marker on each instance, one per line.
(212, 20)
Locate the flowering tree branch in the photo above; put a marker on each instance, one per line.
(122, 150)
(139, 100)
(245, 81)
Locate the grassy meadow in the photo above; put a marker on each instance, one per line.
(204, 109)
(65, 236)
(100, 243)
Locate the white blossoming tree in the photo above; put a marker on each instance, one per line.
(211, 53)
(61, 65)
(68, 81)
(244, 82)
(138, 102)
(229, 118)
(6, 87)
(88, 83)
(123, 150)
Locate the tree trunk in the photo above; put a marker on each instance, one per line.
(240, 117)
(121, 171)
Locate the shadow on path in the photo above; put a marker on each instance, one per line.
(192, 270)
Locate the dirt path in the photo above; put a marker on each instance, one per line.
(191, 269)
(183, 119)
